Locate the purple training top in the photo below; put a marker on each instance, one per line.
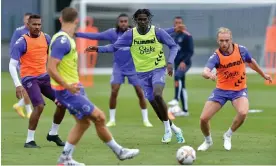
(122, 56)
(17, 34)
(20, 48)
(60, 47)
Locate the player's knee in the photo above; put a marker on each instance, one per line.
(157, 94)
(242, 114)
(100, 119)
(39, 108)
(204, 119)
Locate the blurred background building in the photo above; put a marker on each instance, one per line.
(248, 23)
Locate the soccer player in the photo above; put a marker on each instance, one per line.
(63, 69)
(182, 63)
(145, 44)
(230, 61)
(25, 100)
(30, 51)
(122, 67)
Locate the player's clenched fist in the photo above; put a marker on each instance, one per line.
(20, 92)
(91, 49)
(73, 88)
(213, 77)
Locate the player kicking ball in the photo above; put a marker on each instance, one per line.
(145, 44)
(229, 60)
(63, 70)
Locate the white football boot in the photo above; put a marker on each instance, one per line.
(173, 102)
(127, 153)
(205, 145)
(227, 142)
(65, 160)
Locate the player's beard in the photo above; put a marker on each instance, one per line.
(35, 33)
(123, 29)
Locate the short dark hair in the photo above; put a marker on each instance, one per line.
(178, 17)
(27, 14)
(122, 15)
(34, 16)
(69, 14)
(142, 11)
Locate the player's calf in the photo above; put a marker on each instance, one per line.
(112, 104)
(73, 138)
(35, 116)
(53, 136)
(104, 134)
(33, 121)
(143, 105)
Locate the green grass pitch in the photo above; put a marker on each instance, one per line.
(254, 143)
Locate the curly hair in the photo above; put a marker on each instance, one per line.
(142, 11)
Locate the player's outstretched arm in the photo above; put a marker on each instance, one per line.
(106, 35)
(246, 56)
(101, 49)
(254, 65)
(124, 41)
